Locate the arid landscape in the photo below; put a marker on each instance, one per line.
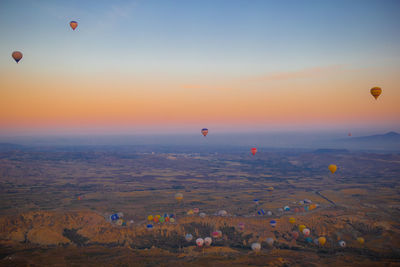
(56, 205)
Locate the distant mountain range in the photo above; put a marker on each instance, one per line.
(388, 141)
(387, 137)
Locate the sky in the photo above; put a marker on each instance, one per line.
(149, 66)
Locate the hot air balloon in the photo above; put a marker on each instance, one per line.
(342, 243)
(172, 220)
(269, 213)
(286, 208)
(376, 92)
(156, 219)
(270, 241)
(222, 213)
(270, 188)
(167, 219)
(302, 227)
(179, 196)
(306, 232)
(295, 235)
(17, 56)
(253, 151)
(119, 222)
(79, 198)
(292, 220)
(114, 217)
(199, 242)
(202, 214)
(162, 220)
(322, 240)
(309, 239)
(256, 247)
(316, 241)
(149, 227)
(120, 215)
(256, 201)
(360, 240)
(332, 168)
(217, 234)
(272, 223)
(190, 212)
(241, 226)
(349, 134)
(207, 241)
(73, 25)
(261, 212)
(188, 237)
(204, 131)
(196, 210)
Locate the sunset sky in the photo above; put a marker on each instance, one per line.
(165, 66)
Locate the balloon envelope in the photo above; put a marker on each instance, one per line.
(332, 168)
(73, 25)
(360, 240)
(199, 242)
(256, 246)
(17, 56)
(207, 241)
(342, 243)
(322, 240)
(253, 151)
(204, 131)
(306, 232)
(292, 220)
(272, 223)
(376, 91)
(241, 226)
(188, 237)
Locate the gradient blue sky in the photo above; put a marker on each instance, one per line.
(187, 46)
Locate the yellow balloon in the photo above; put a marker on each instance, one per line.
(322, 240)
(376, 92)
(292, 220)
(270, 188)
(332, 168)
(150, 217)
(301, 228)
(360, 240)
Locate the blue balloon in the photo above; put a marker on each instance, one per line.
(114, 217)
(272, 223)
(309, 240)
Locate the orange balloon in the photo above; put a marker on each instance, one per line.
(16, 56)
(73, 25)
(376, 92)
(332, 168)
